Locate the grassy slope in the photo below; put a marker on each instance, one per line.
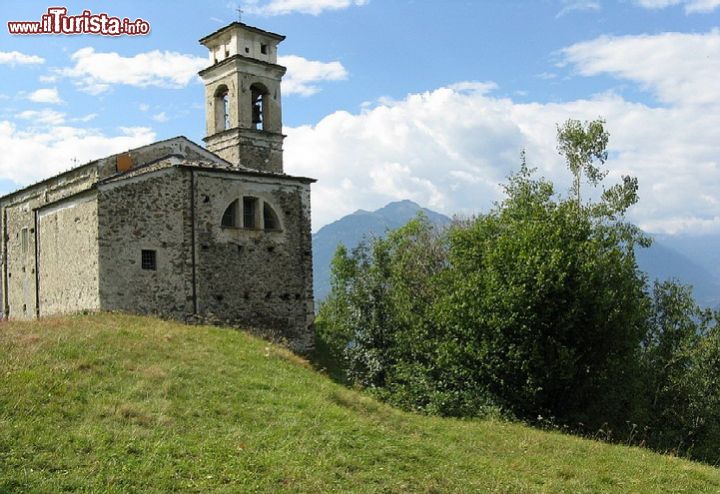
(116, 403)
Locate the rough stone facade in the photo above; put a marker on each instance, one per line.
(171, 228)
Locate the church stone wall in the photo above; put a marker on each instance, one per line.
(256, 278)
(19, 277)
(68, 256)
(147, 212)
(20, 266)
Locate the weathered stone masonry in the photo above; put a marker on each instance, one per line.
(171, 228)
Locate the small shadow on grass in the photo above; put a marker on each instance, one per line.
(324, 359)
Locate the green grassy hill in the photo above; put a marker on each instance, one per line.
(114, 403)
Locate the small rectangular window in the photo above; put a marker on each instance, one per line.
(250, 206)
(24, 240)
(264, 49)
(149, 260)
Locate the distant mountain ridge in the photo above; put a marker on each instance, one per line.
(693, 260)
(350, 230)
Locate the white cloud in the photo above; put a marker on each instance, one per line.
(43, 117)
(16, 58)
(690, 6)
(96, 72)
(451, 148)
(578, 6)
(679, 68)
(473, 87)
(160, 117)
(143, 107)
(85, 118)
(303, 74)
(313, 7)
(46, 95)
(31, 155)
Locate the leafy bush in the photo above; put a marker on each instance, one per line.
(681, 358)
(535, 310)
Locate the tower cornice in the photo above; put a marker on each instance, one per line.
(235, 58)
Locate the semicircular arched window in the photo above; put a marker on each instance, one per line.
(222, 109)
(230, 216)
(270, 218)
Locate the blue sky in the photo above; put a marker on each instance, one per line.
(395, 99)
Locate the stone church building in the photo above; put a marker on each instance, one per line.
(173, 228)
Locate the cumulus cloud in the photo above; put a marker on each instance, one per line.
(313, 7)
(678, 68)
(16, 58)
(31, 154)
(690, 6)
(43, 117)
(303, 75)
(96, 72)
(46, 95)
(451, 148)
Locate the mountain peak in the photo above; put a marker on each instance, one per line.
(400, 206)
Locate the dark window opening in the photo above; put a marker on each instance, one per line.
(270, 219)
(259, 105)
(222, 109)
(250, 206)
(148, 260)
(263, 49)
(247, 49)
(229, 218)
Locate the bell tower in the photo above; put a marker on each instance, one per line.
(243, 108)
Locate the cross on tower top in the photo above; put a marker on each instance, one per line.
(240, 12)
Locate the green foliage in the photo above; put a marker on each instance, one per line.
(549, 306)
(581, 145)
(535, 310)
(681, 356)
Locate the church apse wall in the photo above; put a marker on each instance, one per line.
(253, 253)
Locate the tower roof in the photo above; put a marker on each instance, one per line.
(241, 25)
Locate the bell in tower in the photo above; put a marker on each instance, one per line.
(242, 97)
(257, 114)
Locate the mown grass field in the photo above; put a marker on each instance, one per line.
(113, 403)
